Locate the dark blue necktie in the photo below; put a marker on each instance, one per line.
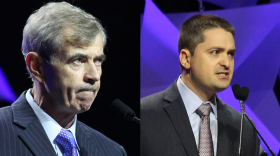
(67, 141)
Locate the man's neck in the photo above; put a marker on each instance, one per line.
(201, 93)
(44, 101)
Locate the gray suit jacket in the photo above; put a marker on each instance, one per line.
(21, 133)
(166, 129)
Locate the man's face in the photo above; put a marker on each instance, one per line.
(212, 64)
(73, 80)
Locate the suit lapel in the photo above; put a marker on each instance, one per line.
(86, 145)
(179, 117)
(224, 131)
(33, 134)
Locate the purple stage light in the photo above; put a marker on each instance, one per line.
(233, 4)
(6, 92)
(158, 47)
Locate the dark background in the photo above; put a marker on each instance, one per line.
(121, 70)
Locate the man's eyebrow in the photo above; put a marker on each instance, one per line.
(216, 48)
(220, 49)
(100, 57)
(76, 56)
(84, 56)
(232, 50)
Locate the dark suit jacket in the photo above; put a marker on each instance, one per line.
(21, 134)
(166, 129)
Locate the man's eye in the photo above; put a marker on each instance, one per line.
(78, 61)
(98, 62)
(232, 54)
(215, 52)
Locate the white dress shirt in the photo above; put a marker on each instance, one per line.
(192, 102)
(51, 127)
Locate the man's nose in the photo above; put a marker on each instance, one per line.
(92, 74)
(225, 61)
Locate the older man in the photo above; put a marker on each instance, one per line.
(188, 119)
(63, 50)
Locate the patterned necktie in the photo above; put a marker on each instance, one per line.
(67, 141)
(205, 137)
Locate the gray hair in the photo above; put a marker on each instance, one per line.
(56, 26)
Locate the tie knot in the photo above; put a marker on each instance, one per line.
(204, 110)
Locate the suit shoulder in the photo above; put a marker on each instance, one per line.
(152, 100)
(229, 108)
(6, 115)
(7, 126)
(236, 116)
(6, 109)
(96, 135)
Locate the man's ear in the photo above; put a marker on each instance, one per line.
(35, 65)
(185, 57)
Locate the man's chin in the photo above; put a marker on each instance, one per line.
(221, 88)
(85, 106)
(82, 106)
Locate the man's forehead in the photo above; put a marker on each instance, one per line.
(215, 32)
(71, 38)
(218, 35)
(90, 51)
(93, 49)
(78, 52)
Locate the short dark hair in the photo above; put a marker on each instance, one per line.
(191, 32)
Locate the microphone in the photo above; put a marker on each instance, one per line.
(236, 91)
(124, 111)
(242, 94)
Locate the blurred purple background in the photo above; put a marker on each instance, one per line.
(257, 61)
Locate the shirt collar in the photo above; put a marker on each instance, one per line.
(51, 127)
(192, 101)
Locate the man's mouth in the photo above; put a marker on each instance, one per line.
(86, 90)
(85, 95)
(223, 74)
